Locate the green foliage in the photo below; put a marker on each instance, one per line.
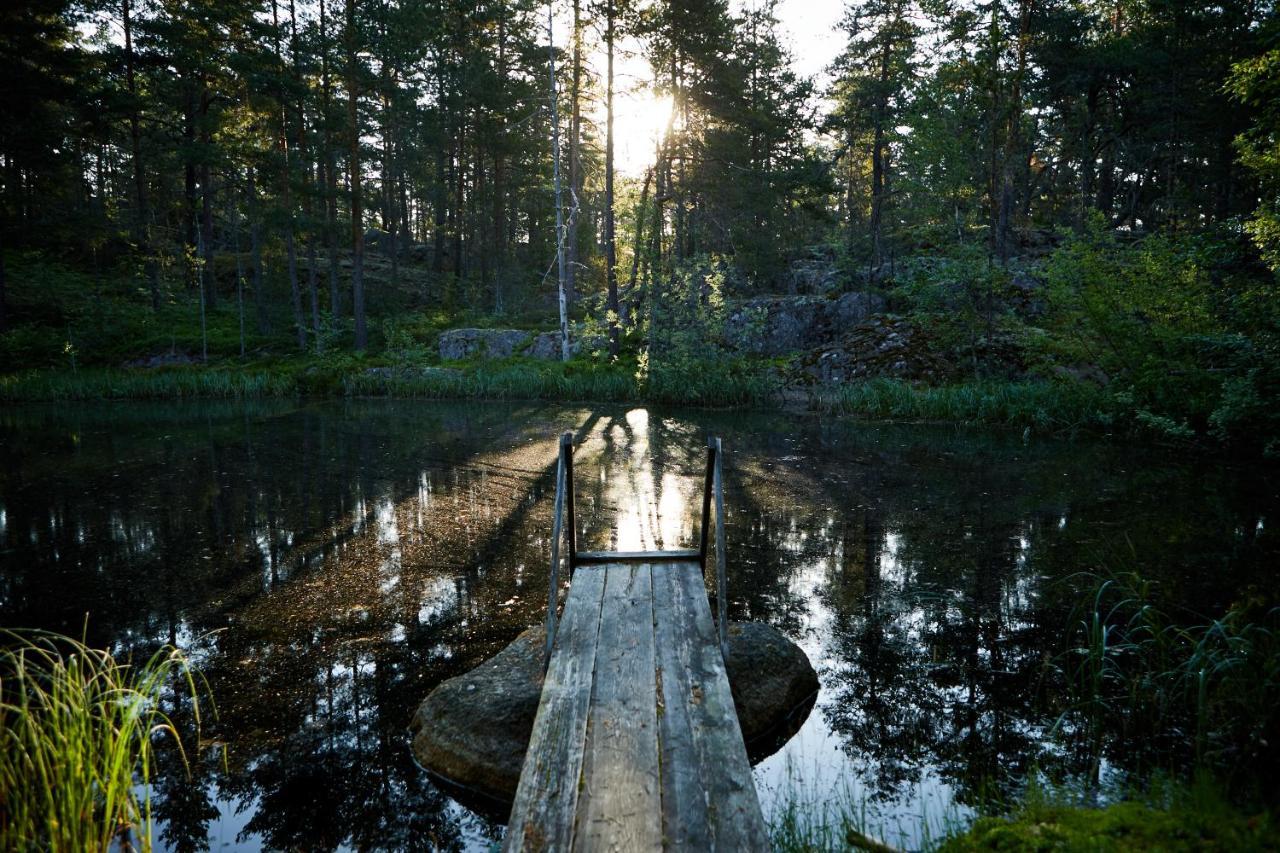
(79, 731)
(1041, 406)
(1184, 337)
(174, 383)
(1255, 83)
(1199, 818)
(1211, 687)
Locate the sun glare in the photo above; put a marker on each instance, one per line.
(640, 119)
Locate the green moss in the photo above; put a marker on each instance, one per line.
(1120, 827)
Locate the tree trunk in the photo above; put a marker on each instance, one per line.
(1012, 139)
(610, 241)
(357, 212)
(141, 224)
(555, 172)
(575, 162)
(330, 168)
(291, 257)
(255, 249)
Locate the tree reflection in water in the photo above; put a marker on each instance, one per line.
(329, 563)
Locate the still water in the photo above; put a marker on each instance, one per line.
(328, 563)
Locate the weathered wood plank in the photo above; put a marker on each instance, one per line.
(542, 816)
(588, 557)
(709, 800)
(620, 806)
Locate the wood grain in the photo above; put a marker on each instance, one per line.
(620, 807)
(542, 816)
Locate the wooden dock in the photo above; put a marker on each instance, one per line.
(636, 745)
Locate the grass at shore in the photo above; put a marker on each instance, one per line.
(1043, 406)
(79, 731)
(1050, 406)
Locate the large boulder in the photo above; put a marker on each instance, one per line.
(777, 325)
(773, 685)
(472, 730)
(456, 344)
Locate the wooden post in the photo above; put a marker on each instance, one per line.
(553, 595)
(566, 444)
(722, 596)
(707, 485)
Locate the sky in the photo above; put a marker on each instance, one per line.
(810, 28)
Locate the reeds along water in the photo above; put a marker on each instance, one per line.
(79, 733)
(1202, 692)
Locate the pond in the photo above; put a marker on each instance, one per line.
(328, 563)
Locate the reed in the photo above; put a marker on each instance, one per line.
(1208, 688)
(179, 383)
(78, 734)
(1044, 406)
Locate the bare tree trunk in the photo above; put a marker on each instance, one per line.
(555, 171)
(357, 211)
(233, 218)
(330, 168)
(575, 164)
(499, 181)
(610, 242)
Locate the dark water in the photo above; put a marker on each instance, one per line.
(328, 563)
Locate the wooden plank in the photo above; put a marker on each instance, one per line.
(547, 796)
(709, 799)
(589, 557)
(620, 806)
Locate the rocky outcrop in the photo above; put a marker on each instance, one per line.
(472, 730)
(893, 347)
(880, 347)
(458, 344)
(777, 325)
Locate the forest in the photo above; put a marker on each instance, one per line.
(965, 311)
(1059, 215)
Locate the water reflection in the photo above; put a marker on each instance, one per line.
(329, 563)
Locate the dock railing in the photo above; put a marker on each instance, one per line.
(564, 524)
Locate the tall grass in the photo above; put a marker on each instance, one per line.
(178, 383)
(1207, 688)
(1041, 405)
(77, 730)
(512, 381)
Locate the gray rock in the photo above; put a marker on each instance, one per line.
(546, 346)
(772, 681)
(777, 325)
(456, 344)
(473, 730)
(849, 309)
